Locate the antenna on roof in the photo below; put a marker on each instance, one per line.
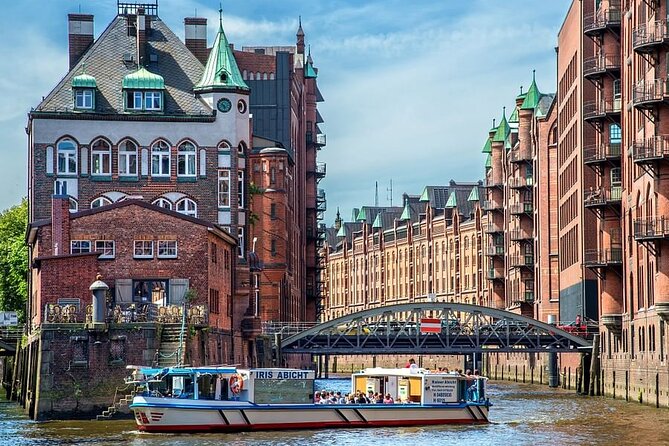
(390, 192)
(376, 194)
(521, 89)
(220, 14)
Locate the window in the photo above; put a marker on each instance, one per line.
(240, 242)
(67, 157)
(272, 210)
(153, 100)
(186, 160)
(127, 158)
(223, 188)
(143, 249)
(214, 252)
(160, 159)
(163, 203)
(102, 201)
(167, 249)
(240, 188)
(616, 179)
(106, 248)
(615, 135)
(74, 205)
(133, 100)
(273, 247)
(83, 99)
(101, 158)
(155, 291)
(80, 246)
(187, 207)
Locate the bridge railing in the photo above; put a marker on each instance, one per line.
(285, 328)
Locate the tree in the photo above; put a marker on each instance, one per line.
(14, 259)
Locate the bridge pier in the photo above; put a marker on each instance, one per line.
(553, 373)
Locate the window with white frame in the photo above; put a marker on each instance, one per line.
(133, 100)
(163, 203)
(240, 241)
(143, 249)
(67, 157)
(240, 188)
(187, 206)
(186, 160)
(102, 201)
(127, 158)
(160, 159)
(80, 246)
(106, 248)
(74, 205)
(83, 98)
(224, 188)
(153, 100)
(167, 249)
(100, 158)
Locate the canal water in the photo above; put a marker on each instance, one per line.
(522, 415)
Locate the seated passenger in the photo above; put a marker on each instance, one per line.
(388, 399)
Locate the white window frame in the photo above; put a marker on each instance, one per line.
(101, 158)
(140, 251)
(161, 151)
(167, 249)
(83, 98)
(137, 100)
(223, 195)
(100, 201)
(240, 189)
(240, 242)
(80, 246)
(163, 203)
(153, 100)
(187, 206)
(106, 248)
(186, 159)
(125, 158)
(68, 156)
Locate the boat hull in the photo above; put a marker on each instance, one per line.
(184, 417)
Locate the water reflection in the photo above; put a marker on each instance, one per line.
(522, 415)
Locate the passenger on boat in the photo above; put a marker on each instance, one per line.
(388, 399)
(410, 363)
(341, 399)
(378, 398)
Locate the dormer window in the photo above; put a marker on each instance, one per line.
(83, 91)
(143, 91)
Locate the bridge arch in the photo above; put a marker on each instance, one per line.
(462, 329)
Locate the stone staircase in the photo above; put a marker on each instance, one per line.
(120, 406)
(169, 344)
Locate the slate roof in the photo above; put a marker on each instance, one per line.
(437, 196)
(544, 104)
(180, 69)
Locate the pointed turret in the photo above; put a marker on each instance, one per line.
(503, 129)
(378, 223)
(300, 37)
(452, 201)
(338, 220)
(532, 96)
(309, 71)
(474, 194)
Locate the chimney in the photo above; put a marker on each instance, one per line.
(141, 37)
(60, 224)
(80, 35)
(196, 37)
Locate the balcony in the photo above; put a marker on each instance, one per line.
(520, 182)
(651, 229)
(602, 109)
(650, 37)
(519, 156)
(518, 235)
(318, 139)
(492, 206)
(601, 20)
(522, 261)
(602, 197)
(653, 149)
(521, 208)
(492, 183)
(594, 67)
(495, 250)
(649, 93)
(602, 153)
(602, 258)
(492, 228)
(318, 170)
(495, 274)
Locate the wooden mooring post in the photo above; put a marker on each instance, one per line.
(595, 374)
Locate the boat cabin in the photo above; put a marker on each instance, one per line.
(416, 385)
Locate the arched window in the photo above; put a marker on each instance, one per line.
(67, 157)
(244, 74)
(102, 201)
(100, 157)
(74, 205)
(188, 207)
(160, 159)
(251, 76)
(241, 148)
(264, 76)
(127, 158)
(163, 203)
(186, 159)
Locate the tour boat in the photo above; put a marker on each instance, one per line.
(228, 399)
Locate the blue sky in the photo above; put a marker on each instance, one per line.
(410, 88)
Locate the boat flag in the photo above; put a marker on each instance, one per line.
(430, 325)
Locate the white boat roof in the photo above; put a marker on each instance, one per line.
(404, 372)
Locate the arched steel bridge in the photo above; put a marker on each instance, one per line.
(462, 329)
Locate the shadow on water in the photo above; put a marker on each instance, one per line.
(521, 415)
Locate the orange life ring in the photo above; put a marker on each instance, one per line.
(236, 383)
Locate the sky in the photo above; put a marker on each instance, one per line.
(410, 87)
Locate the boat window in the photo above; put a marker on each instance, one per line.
(182, 387)
(283, 391)
(212, 387)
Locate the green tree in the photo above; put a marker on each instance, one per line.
(14, 259)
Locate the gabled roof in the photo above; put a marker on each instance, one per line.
(452, 200)
(221, 71)
(474, 194)
(487, 147)
(513, 119)
(488, 162)
(378, 222)
(104, 60)
(544, 104)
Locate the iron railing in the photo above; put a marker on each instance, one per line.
(601, 152)
(602, 196)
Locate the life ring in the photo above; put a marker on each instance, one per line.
(236, 383)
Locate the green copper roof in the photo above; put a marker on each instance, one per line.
(84, 80)
(452, 201)
(221, 71)
(377, 222)
(424, 196)
(362, 215)
(514, 116)
(474, 194)
(342, 231)
(532, 96)
(406, 213)
(143, 79)
(488, 162)
(309, 72)
(502, 129)
(487, 147)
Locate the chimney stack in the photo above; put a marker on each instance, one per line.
(196, 37)
(60, 224)
(141, 37)
(80, 35)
